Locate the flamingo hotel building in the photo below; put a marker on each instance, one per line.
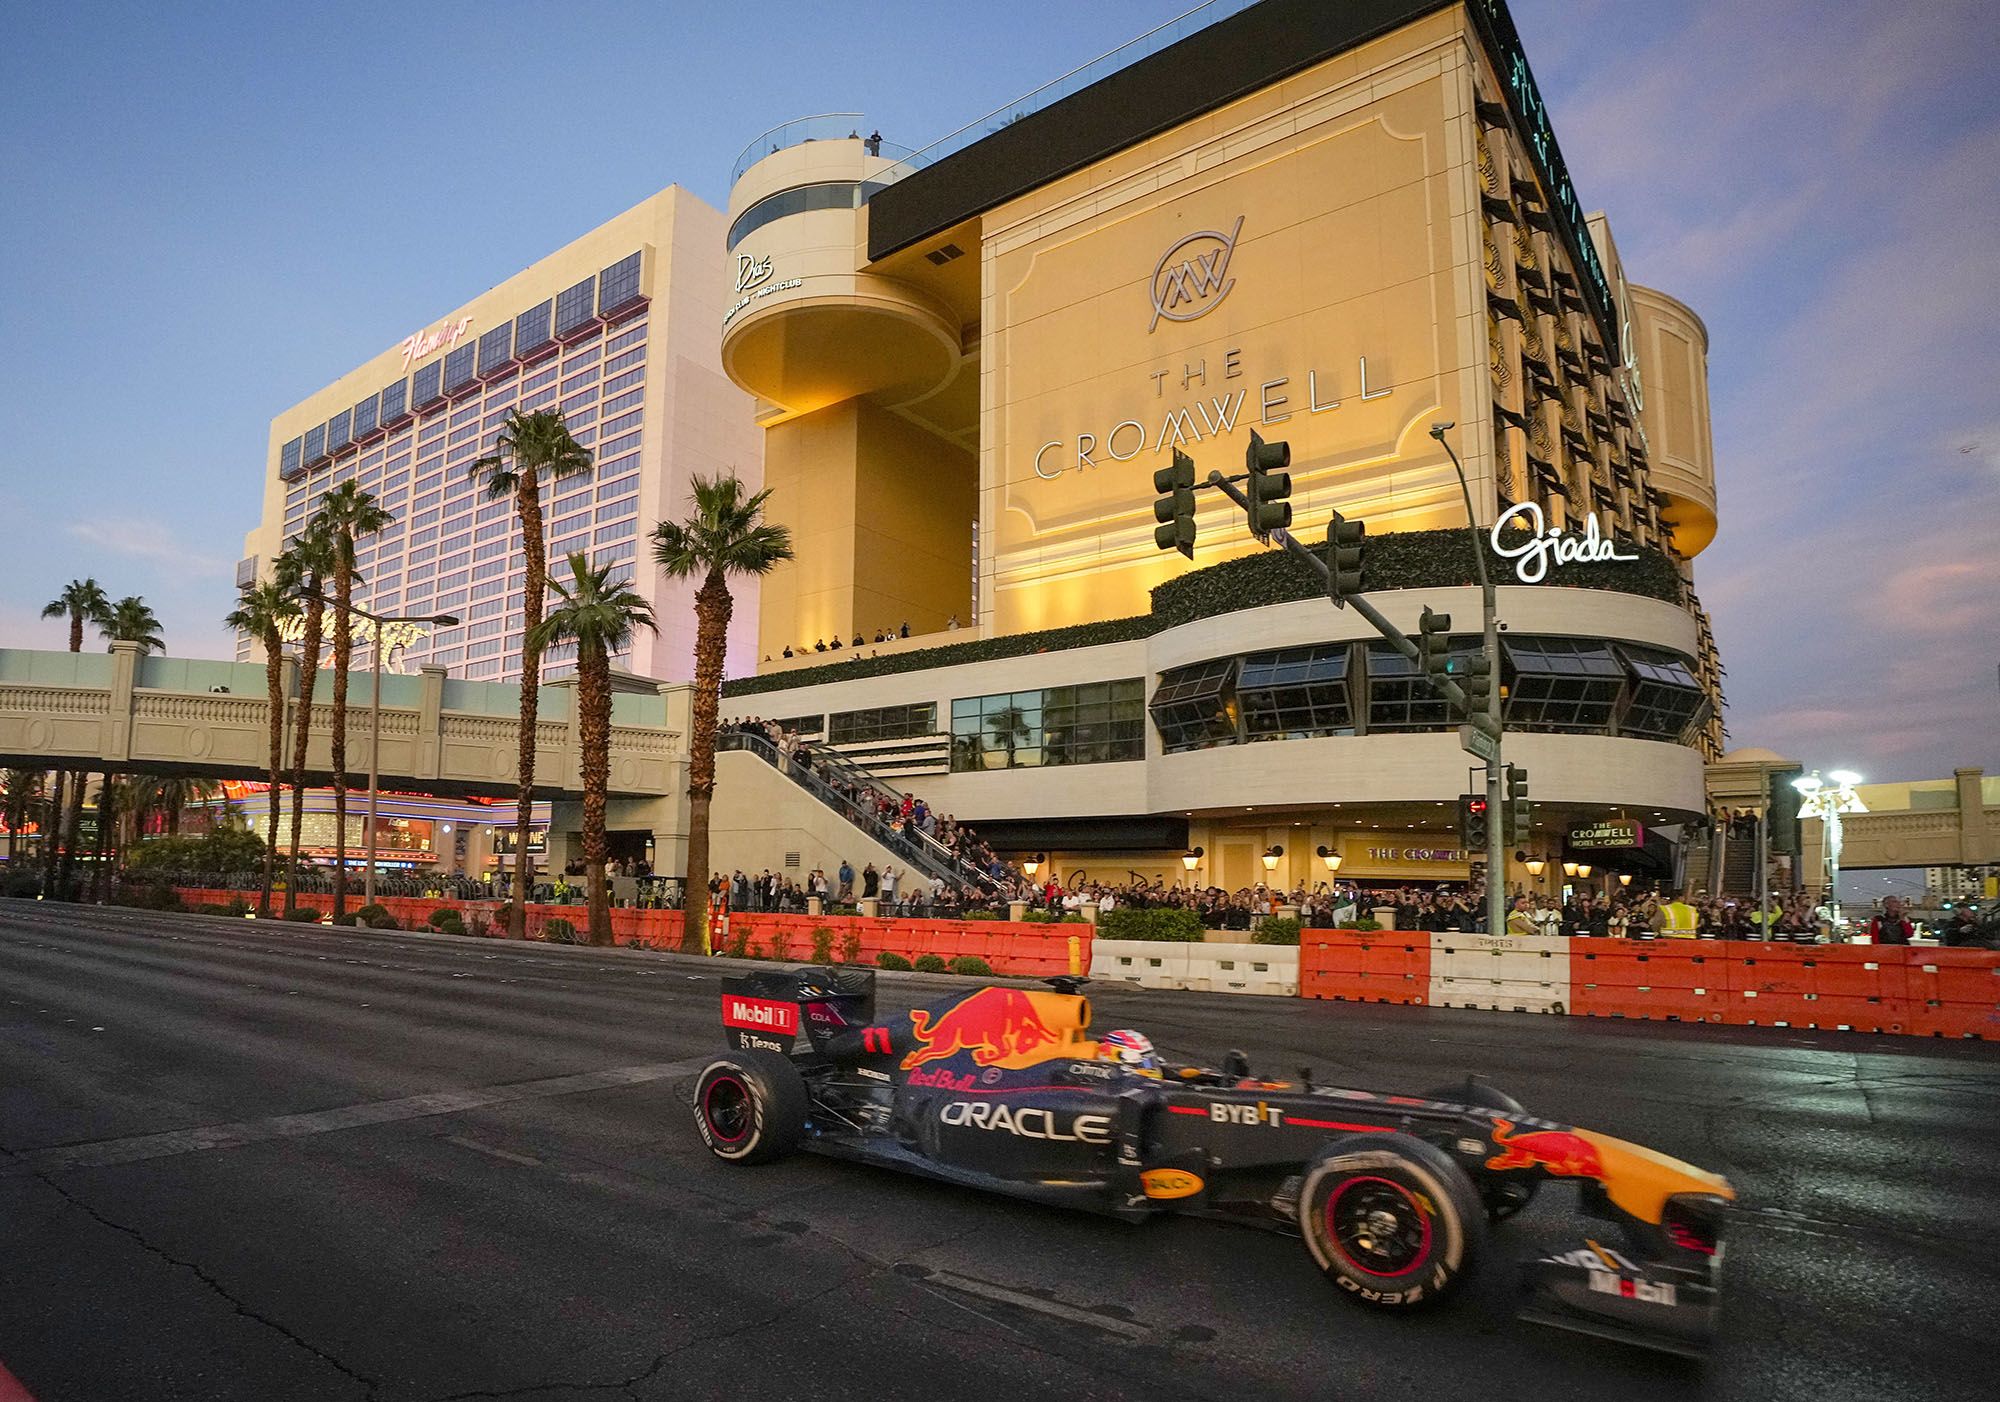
(958, 369)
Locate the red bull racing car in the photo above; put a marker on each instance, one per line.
(1004, 1089)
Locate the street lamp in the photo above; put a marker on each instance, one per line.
(1331, 858)
(439, 620)
(1827, 800)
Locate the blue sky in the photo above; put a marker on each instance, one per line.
(214, 209)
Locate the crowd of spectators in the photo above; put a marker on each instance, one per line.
(882, 635)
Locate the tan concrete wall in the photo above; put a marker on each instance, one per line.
(760, 815)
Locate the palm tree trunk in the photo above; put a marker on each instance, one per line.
(308, 673)
(343, 655)
(528, 506)
(52, 812)
(74, 829)
(593, 699)
(712, 607)
(274, 694)
(106, 812)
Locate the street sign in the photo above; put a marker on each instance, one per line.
(1479, 743)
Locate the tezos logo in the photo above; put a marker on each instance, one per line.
(752, 272)
(1192, 276)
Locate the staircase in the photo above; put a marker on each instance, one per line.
(846, 787)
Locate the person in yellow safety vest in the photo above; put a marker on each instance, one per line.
(1677, 920)
(1519, 919)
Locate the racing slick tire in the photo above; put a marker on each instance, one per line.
(751, 1106)
(1391, 1219)
(1504, 1194)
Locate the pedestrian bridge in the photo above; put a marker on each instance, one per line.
(123, 712)
(1927, 823)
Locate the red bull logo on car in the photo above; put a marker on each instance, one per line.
(998, 1026)
(1556, 1151)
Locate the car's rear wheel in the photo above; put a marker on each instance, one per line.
(1503, 1193)
(1391, 1219)
(751, 1106)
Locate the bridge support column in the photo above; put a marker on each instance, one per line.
(1975, 845)
(117, 737)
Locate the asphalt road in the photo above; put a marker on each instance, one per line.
(264, 1162)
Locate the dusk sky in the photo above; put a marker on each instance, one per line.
(213, 210)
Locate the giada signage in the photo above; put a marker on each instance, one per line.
(424, 343)
(1549, 544)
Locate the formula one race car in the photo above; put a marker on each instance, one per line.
(1002, 1088)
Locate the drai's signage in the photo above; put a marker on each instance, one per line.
(1188, 422)
(1549, 544)
(444, 337)
(1192, 276)
(753, 281)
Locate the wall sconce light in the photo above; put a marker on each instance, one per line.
(1271, 856)
(1189, 859)
(1034, 863)
(1583, 871)
(1330, 857)
(1569, 868)
(1624, 878)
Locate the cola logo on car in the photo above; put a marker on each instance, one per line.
(760, 1014)
(1028, 1122)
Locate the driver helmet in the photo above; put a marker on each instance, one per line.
(1131, 1050)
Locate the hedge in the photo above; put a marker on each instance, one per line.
(1439, 559)
(1167, 923)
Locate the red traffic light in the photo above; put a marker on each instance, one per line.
(1475, 805)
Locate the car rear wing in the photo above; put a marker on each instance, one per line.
(767, 1010)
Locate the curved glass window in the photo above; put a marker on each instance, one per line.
(1560, 685)
(1195, 708)
(1667, 702)
(835, 194)
(1400, 697)
(1297, 693)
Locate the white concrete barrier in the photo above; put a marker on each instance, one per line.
(1244, 968)
(1147, 963)
(1506, 973)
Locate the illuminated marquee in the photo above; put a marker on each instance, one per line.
(394, 635)
(1548, 545)
(424, 343)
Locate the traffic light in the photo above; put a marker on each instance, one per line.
(1517, 804)
(1474, 672)
(1434, 643)
(1472, 821)
(1268, 489)
(1345, 541)
(1175, 508)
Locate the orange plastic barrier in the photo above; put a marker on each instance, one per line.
(1021, 950)
(1365, 966)
(1663, 980)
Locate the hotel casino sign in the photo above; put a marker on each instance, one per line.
(1612, 835)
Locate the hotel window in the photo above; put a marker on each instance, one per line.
(432, 431)
(494, 530)
(461, 453)
(371, 460)
(459, 366)
(624, 381)
(531, 328)
(289, 457)
(838, 194)
(883, 723)
(569, 545)
(537, 401)
(1194, 707)
(577, 401)
(486, 667)
(537, 380)
(1096, 723)
(463, 416)
(618, 286)
(623, 401)
(1666, 700)
(496, 415)
(631, 357)
(585, 353)
(618, 487)
(486, 649)
(482, 630)
(1297, 692)
(583, 377)
(622, 531)
(339, 431)
(623, 422)
(364, 415)
(425, 503)
(619, 445)
(1560, 685)
(580, 521)
(490, 570)
(574, 306)
(449, 581)
(424, 389)
(611, 510)
(461, 435)
(614, 555)
(456, 542)
(315, 443)
(395, 401)
(631, 335)
(805, 727)
(1400, 697)
(499, 399)
(496, 348)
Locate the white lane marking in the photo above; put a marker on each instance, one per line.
(229, 1136)
(488, 1149)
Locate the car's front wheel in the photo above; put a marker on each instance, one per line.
(1391, 1219)
(751, 1106)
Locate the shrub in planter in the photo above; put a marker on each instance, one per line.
(930, 964)
(982, 913)
(780, 945)
(452, 924)
(346, 917)
(442, 914)
(1060, 917)
(304, 915)
(1366, 922)
(850, 947)
(559, 931)
(1275, 929)
(21, 883)
(376, 917)
(970, 964)
(237, 907)
(886, 960)
(822, 943)
(737, 946)
(1165, 923)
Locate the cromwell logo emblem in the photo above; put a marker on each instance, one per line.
(1192, 276)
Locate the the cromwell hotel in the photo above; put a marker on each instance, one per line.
(1335, 224)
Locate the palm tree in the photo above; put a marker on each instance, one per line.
(726, 535)
(599, 614)
(262, 609)
(345, 514)
(23, 804)
(171, 794)
(130, 620)
(532, 448)
(301, 570)
(83, 601)
(1009, 728)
